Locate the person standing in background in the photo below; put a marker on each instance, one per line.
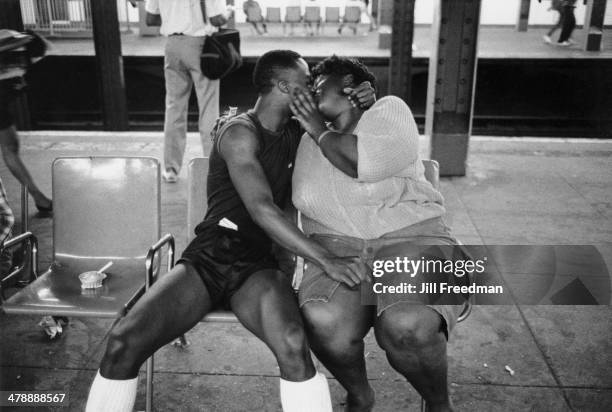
(186, 27)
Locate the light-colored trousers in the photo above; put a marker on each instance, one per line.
(182, 71)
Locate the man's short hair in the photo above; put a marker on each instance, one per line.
(341, 66)
(270, 65)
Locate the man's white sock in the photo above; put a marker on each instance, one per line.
(112, 395)
(307, 396)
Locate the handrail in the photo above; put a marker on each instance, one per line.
(166, 239)
(31, 239)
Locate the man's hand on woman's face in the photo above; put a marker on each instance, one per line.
(363, 96)
(306, 112)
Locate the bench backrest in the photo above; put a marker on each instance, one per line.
(312, 14)
(293, 14)
(197, 202)
(105, 208)
(273, 15)
(332, 14)
(352, 14)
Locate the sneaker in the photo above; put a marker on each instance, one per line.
(169, 176)
(564, 44)
(547, 39)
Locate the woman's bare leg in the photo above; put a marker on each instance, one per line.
(415, 344)
(335, 332)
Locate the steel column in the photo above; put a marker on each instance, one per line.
(400, 77)
(593, 24)
(10, 15)
(385, 12)
(452, 76)
(523, 15)
(109, 64)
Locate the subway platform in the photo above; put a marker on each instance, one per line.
(517, 191)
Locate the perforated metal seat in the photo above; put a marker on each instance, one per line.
(332, 15)
(105, 209)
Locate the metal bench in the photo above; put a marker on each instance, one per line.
(105, 209)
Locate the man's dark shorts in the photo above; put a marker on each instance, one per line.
(224, 259)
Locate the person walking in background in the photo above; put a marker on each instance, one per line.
(13, 66)
(186, 28)
(555, 5)
(568, 23)
(252, 10)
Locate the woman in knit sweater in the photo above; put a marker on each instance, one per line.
(360, 186)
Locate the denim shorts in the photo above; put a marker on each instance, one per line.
(316, 286)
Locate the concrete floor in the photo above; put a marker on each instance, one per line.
(517, 191)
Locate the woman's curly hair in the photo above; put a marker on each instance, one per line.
(341, 66)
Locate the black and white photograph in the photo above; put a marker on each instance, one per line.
(306, 205)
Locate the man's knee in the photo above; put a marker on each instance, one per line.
(123, 345)
(293, 344)
(408, 327)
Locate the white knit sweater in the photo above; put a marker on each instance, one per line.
(390, 192)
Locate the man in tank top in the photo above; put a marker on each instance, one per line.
(230, 262)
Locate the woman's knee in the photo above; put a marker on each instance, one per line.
(329, 332)
(408, 327)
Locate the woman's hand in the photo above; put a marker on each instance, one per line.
(306, 112)
(363, 96)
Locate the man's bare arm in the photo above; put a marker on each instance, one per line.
(239, 149)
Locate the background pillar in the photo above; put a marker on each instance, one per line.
(593, 24)
(402, 33)
(452, 77)
(109, 64)
(523, 15)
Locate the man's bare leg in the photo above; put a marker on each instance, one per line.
(173, 305)
(266, 305)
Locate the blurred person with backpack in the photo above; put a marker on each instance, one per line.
(18, 51)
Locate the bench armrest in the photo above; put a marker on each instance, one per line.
(166, 239)
(32, 241)
(149, 278)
